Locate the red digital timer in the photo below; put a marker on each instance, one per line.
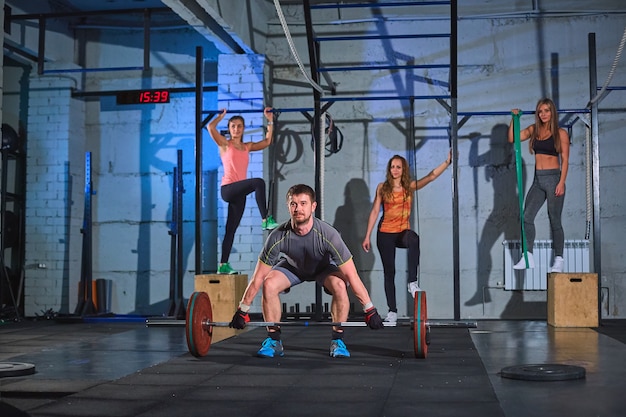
(143, 97)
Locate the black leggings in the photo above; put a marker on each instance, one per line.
(235, 195)
(387, 244)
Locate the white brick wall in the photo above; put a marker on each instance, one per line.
(53, 251)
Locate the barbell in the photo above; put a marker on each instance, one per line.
(199, 324)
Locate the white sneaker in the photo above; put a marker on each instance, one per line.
(557, 266)
(391, 317)
(413, 288)
(522, 262)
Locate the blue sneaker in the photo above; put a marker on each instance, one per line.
(338, 349)
(271, 348)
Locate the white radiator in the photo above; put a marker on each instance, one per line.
(575, 254)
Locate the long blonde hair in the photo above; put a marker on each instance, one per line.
(405, 180)
(553, 125)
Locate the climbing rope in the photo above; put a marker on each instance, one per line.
(620, 48)
(292, 47)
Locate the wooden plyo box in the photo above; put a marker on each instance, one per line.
(225, 292)
(573, 299)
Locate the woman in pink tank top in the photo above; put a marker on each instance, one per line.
(235, 185)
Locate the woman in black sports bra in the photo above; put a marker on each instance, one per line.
(550, 145)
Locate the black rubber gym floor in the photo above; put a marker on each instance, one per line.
(126, 369)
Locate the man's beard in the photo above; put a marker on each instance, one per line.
(297, 222)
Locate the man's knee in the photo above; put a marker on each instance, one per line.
(274, 284)
(335, 287)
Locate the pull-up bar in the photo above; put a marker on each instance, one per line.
(274, 110)
(332, 100)
(382, 98)
(81, 70)
(373, 37)
(378, 5)
(382, 67)
(507, 113)
(467, 115)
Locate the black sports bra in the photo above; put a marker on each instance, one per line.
(545, 147)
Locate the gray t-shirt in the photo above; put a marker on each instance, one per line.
(306, 255)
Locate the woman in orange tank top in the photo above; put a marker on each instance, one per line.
(394, 231)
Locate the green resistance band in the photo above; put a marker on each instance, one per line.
(520, 183)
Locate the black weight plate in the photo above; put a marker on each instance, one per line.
(543, 372)
(16, 369)
(420, 330)
(198, 312)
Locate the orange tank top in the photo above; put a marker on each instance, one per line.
(396, 213)
(235, 163)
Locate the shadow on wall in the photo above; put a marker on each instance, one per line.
(504, 217)
(161, 154)
(351, 221)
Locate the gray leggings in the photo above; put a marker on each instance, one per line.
(542, 189)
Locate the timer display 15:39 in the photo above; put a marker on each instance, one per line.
(143, 97)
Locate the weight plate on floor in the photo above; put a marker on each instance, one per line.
(543, 372)
(198, 312)
(420, 336)
(16, 369)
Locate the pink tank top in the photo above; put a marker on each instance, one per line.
(235, 163)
